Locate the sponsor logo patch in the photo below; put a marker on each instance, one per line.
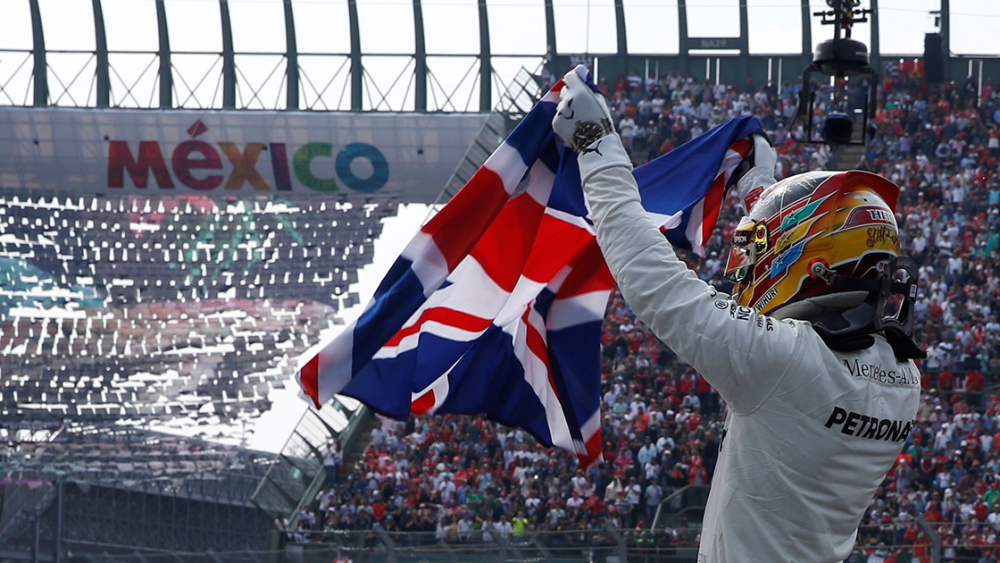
(902, 376)
(869, 427)
(879, 235)
(765, 299)
(868, 215)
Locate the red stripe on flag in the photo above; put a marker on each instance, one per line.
(742, 146)
(711, 207)
(590, 272)
(443, 315)
(556, 243)
(538, 346)
(504, 248)
(457, 228)
(309, 379)
(593, 450)
(423, 404)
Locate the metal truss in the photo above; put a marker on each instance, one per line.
(296, 474)
(226, 79)
(351, 80)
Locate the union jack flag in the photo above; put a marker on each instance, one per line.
(496, 304)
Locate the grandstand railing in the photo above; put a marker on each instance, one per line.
(604, 545)
(297, 473)
(608, 545)
(689, 500)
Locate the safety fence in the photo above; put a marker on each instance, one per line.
(605, 545)
(610, 545)
(935, 543)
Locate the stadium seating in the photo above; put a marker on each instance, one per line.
(144, 307)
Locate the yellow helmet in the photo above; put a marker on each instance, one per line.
(820, 244)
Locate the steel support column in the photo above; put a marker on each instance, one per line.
(807, 46)
(550, 31)
(166, 69)
(103, 70)
(419, 59)
(228, 58)
(875, 48)
(744, 43)
(291, 60)
(59, 520)
(357, 71)
(485, 63)
(36, 547)
(622, 37)
(946, 37)
(683, 41)
(41, 71)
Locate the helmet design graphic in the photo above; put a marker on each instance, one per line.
(824, 247)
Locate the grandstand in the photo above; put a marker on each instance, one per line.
(128, 311)
(88, 486)
(132, 307)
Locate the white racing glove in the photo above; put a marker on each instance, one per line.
(583, 122)
(756, 173)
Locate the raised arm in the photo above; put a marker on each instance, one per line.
(706, 328)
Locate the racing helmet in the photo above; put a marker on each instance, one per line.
(824, 247)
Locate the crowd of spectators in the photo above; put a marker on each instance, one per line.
(940, 145)
(654, 116)
(466, 478)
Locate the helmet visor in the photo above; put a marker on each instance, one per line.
(743, 252)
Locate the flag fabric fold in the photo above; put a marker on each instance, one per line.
(684, 189)
(496, 304)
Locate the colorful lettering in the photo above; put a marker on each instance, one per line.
(244, 166)
(380, 167)
(279, 162)
(150, 159)
(195, 155)
(183, 164)
(302, 162)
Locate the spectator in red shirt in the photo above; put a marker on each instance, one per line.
(946, 380)
(981, 510)
(378, 509)
(975, 383)
(933, 513)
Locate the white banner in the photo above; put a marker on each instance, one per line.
(216, 153)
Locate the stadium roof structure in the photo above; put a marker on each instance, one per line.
(410, 55)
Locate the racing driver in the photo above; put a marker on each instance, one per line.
(812, 353)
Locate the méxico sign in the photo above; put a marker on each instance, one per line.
(196, 155)
(231, 153)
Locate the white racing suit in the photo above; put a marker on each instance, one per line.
(810, 432)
